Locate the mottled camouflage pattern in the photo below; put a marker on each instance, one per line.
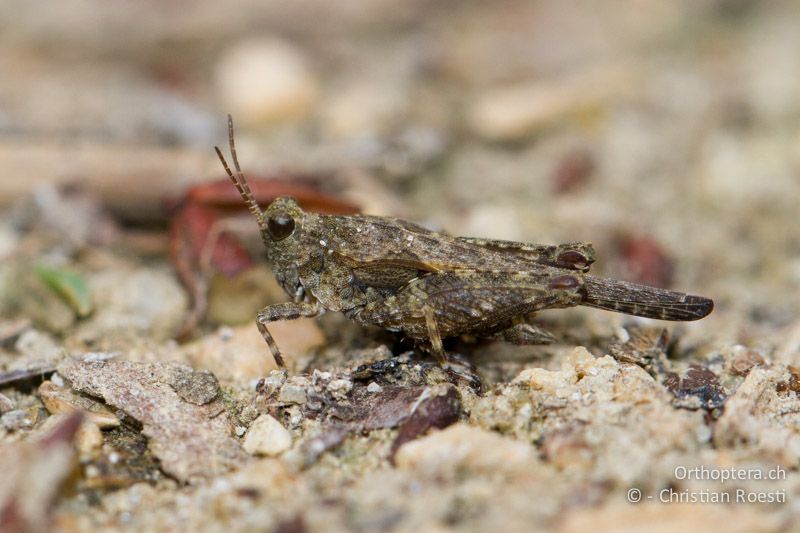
(398, 275)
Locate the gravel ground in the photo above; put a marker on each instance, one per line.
(665, 133)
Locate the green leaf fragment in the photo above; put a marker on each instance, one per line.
(70, 287)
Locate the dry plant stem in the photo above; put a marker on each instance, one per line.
(14, 376)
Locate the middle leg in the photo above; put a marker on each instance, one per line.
(523, 333)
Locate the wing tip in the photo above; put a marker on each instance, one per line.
(641, 300)
(703, 306)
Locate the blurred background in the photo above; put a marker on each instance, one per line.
(664, 132)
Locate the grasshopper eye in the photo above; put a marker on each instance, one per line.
(280, 226)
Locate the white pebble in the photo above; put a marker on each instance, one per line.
(292, 394)
(338, 388)
(266, 81)
(267, 436)
(225, 333)
(57, 379)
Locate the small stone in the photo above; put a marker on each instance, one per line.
(294, 416)
(271, 384)
(89, 438)
(544, 380)
(463, 448)
(338, 388)
(225, 333)
(61, 401)
(292, 394)
(130, 302)
(19, 419)
(11, 330)
(8, 240)
(364, 109)
(745, 360)
(37, 346)
(6, 404)
(318, 375)
(263, 81)
(267, 436)
(374, 387)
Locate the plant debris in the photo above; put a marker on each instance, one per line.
(33, 473)
(700, 384)
(70, 286)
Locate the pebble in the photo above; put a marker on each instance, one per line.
(60, 401)
(88, 439)
(134, 301)
(37, 346)
(19, 419)
(6, 404)
(225, 333)
(295, 416)
(273, 382)
(8, 241)
(338, 388)
(374, 387)
(266, 80)
(364, 109)
(463, 448)
(267, 436)
(513, 112)
(10, 330)
(292, 394)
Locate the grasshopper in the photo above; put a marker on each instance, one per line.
(400, 276)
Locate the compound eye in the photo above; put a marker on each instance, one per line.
(280, 226)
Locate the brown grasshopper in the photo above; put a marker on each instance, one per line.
(400, 276)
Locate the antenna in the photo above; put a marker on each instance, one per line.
(238, 180)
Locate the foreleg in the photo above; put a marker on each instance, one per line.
(282, 311)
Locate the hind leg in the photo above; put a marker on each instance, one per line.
(524, 333)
